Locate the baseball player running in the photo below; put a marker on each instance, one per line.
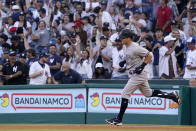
(136, 59)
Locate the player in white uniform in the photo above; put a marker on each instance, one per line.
(137, 58)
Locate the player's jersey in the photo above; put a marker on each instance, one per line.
(135, 55)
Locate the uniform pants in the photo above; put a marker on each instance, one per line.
(137, 81)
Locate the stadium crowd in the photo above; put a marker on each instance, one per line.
(69, 41)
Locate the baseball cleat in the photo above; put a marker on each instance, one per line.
(114, 121)
(177, 97)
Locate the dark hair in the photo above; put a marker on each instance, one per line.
(31, 51)
(87, 53)
(96, 73)
(25, 22)
(55, 8)
(52, 45)
(93, 21)
(166, 1)
(158, 29)
(4, 36)
(97, 9)
(19, 30)
(57, 21)
(43, 10)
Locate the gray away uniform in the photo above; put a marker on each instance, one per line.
(135, 55)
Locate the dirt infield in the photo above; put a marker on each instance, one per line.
(93, 127)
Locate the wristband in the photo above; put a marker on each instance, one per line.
(143, 64)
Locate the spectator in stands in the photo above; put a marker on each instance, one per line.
(1, 74)
(148, 21)
(190, 70)
(17, 45)
(41, 38)
(31, 57)
(179, 50)
(79, 9)
(191, 14)
(13, 71)
(44, 17)
(5, 57)
(149, 66)
(82, 35)
(25, 68)
(114, 15)
(164, 17)
(39, 72)
(71, 57)
(104, 17)
(100, 72)
(167, 59)
(66, 12)
(67, 75)
(137, 20)
(3, 42)
(15, 12)
(22, 25)
(84, 66)
(8, 28)
(171, 4)
(129, 8)
(103, 54)
(67, 24)
(117, 4)
(146, 38)
(118, 55)
(86, 26)
(56, 29)
(54, 60)
(92, 19)
(156, 45)
(192, 31)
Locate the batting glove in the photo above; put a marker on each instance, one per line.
(122, 63)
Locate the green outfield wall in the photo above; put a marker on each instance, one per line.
(82, 111)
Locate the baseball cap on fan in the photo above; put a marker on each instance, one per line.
(44, 55)
(191, 40)
(15, 7)
(103, 37)
(99, 65)
(12, 53)
(23, 55)
(169, 38)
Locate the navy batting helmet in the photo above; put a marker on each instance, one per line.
(126, 33)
